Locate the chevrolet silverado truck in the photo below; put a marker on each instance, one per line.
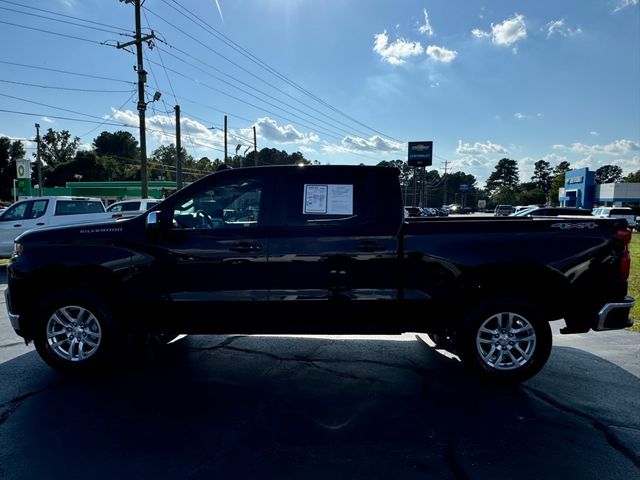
(317, 250)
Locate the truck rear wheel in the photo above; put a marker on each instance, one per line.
(74, 332)
(505, 341)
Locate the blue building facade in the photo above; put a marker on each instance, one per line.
(579, 187)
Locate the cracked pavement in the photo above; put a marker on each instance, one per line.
(314, 407)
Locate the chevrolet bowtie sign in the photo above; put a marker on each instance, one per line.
(420, 154)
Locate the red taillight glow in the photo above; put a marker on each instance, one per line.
(625, 261)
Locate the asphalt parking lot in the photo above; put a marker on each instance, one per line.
(321, 407)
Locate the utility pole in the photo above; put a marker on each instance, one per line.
(444, 198)
(38, 160)
(255, 147)
(142, 105)
(178, 150)
(225, 139)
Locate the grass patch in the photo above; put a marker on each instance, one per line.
(634, 280)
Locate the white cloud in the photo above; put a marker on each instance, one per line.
(554, 158)
(594, 133)
(558, 27)
(506, 33)
(476, 32)
(519, 115)
(269, 130)
(478, 148)
(618, 147)
(622, 4)
(304, 149)
(396, 52)
(426, 28)
(441, 54)
(123, 116)
(47, 119)
(359, 144)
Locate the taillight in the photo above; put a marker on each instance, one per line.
(625, 262)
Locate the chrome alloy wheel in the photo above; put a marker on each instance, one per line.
(73, 333)
(506, 341)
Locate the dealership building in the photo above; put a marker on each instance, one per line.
(580, 190)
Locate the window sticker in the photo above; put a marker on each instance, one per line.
(328, 199)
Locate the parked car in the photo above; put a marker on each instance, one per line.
(38, 212)
(503, 210)
(133, 205)
(413, 212)
(552, 212)
(616, 212)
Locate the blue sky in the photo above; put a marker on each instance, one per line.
(343, 81)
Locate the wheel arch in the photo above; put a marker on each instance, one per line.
(536, 284)
(57, 279)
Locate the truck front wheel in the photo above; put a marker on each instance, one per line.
(505, 341)
(75, 332)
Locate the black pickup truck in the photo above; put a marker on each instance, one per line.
(317, 249)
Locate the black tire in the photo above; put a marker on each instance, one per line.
(505, 341)
(75, 332)
(443, 342)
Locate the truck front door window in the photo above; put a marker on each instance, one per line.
(235, 203)
(17, 212)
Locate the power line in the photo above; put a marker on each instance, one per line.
(86, 75)
(62, 15)
(262, 109)
(237, 80)
(110, 117)
(244, 52)
(64, 21)
(240, 67)
(63, 88)
(73, 37)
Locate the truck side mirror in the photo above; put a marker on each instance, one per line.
(153, 221)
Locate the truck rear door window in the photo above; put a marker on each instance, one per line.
(78, 207)
(39, 208)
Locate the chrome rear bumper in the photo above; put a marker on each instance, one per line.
(615, 316)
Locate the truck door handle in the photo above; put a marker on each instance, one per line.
(243, 247)
(370, 246)
(40, 224)
(17, 225)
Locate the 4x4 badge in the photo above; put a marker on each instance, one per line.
(566, 226)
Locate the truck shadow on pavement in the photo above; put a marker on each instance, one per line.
(309, 407)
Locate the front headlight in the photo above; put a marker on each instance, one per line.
(18, 248)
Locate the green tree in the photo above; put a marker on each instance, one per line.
(562, 168)
(542, 175)
(506, 195)
(406, 172)
(633, 177)
(162, 163)
(57, 147)
(608, 174)
(530, 194)
(119, 144)
(504, 175)
(9, 152)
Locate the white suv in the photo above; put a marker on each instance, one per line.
(133, 206)
(616, 212)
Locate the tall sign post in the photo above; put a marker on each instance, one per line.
(23, 177)
(420, 154)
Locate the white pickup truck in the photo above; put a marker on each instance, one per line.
(40, 212)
